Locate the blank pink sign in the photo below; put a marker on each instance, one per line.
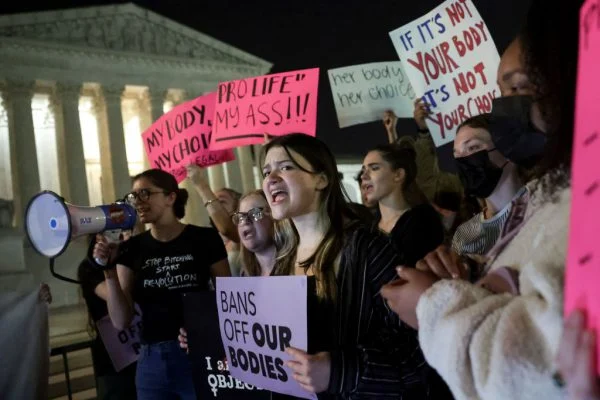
(276, 104)
(583, 263)
(182, 137)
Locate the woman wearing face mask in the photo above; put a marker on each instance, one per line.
(488, 175)
(502, 345)
(356, 347)
(413, 227)
(157, 267)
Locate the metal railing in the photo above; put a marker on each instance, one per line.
(63, 351)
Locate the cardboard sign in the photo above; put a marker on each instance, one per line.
(259, 317)
(276, 104)
(362, 93)
(182, 137)
(451, 61)
(583, 261)
(123, 347)
(210, 370)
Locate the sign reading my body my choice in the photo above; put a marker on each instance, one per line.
(259, 318)
(276, 104)
(452, 62)
(182, 137)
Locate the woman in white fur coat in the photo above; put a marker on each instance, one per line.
(497, 339)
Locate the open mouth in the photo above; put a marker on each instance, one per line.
(247, 234)
(368, 188)
(278, 195)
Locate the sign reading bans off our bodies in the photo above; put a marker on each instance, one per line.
(452, 62)
(276, 104)
(182, 137)
(361, 93)
(259, 318)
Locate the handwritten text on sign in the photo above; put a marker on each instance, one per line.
(182, 137)
(259, 318)
(123, 347)
(451, 61)
(583, 262)
(276, 104)
(361, 93)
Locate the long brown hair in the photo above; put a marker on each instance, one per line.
(334, 208)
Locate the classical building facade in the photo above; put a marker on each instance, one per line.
(78, 88)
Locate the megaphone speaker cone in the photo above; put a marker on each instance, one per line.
(48, 224)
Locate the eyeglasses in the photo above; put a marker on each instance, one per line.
(253, 215)
(142, 194)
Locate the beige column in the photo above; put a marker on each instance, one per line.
(70, 144)
(151, 108)
(233, 174)
(17, 97)
(244, 156)
(116, 181)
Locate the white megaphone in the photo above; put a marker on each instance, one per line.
(51, 223)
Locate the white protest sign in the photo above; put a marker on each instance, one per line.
(362, 93)
(451, 61)
(122, 346)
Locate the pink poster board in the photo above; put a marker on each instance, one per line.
(182, 137)
(276, 104)
(123, 347)
(583, 262)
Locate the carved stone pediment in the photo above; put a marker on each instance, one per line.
(122, 28)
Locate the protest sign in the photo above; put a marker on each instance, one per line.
(259, 317)
(451, 61)
(362, 93)
(210, 370)
(583, 261)
(276, 104)
(182, 137)
(122, 346)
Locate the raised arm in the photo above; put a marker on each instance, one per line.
(216, 211)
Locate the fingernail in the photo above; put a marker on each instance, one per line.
(399, 269)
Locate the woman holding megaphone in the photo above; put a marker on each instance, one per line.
(157, 267)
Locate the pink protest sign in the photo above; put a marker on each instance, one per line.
(276, 104)
(123, 347)
(583, 262)
(182, 137)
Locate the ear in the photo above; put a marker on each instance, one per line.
(171, 197)
(322, 181)
(399, 175)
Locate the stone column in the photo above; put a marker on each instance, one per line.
(151, 109)
(24, 166)
(115, 171)
(70, 144)
(233, 174)
(244, 155)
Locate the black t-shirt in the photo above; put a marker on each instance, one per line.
(90, 277)
(165, 270)
(417, 232)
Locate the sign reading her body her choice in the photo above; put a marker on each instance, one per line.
(583, 261)
(451, 61)
(182, 137)
(362, 93)
(122, 346)
(276, 104)
(210, 369)
(259, 318)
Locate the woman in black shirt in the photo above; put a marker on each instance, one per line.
(155, 268)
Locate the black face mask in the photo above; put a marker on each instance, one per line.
(512, 132)
(478, 174)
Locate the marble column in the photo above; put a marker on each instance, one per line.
(233, 174)
(70, 144)
(24, 166)
(244, 156)
(115, 170)
(151, 108)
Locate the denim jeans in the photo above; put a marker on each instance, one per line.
(164, 373)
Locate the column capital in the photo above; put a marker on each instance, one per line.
(69, 90)
(113, 92)
(18, 89)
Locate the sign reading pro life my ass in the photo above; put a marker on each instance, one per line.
(182, 137)
(451, 61)
(259, 317)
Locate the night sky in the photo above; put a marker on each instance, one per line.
(326, 34)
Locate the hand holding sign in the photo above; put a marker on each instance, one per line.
(312, 372)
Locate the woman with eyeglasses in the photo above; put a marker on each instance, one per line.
(156, 267)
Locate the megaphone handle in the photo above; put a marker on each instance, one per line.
(58, 276)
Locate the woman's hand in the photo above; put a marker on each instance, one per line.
(420, 112)
(44, 294)
(183, 342)
(311, 371)
(196, 175)
(104, 251)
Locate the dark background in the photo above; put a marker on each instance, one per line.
(326, 34)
